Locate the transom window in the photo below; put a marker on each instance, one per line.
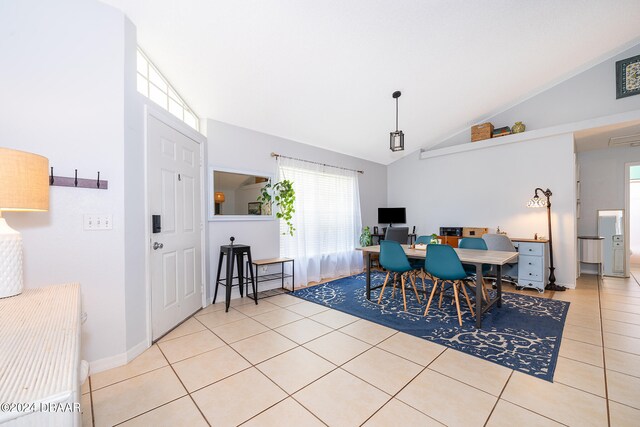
(154, 86)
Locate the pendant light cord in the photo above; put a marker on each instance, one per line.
(396, 114)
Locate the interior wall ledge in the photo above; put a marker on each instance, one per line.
(627, 116)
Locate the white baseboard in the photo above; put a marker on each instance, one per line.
(137, 350)
(118, 359)
(107, 363)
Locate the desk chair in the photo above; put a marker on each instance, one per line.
(501, 242)
(397, 234)
(444, 265)
(478, 244)
(393, 259)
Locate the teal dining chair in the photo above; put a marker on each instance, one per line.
(444, 265)
(394, 260)
(418, 264)
(478, 244)
(423, 240)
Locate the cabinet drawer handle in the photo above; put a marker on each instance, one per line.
(530, 264)
(530, 274)
(530, 249)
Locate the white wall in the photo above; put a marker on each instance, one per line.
(490, 188)
(62, 84)
(134, 198)
(602, 183)
(634, 216)
(602, 174)
(234, 147)
(587, 95)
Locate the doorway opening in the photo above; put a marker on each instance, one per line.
(633, 200)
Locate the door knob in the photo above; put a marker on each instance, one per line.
(157, 246)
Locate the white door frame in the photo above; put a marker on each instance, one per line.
(627, 219)
(151, 110)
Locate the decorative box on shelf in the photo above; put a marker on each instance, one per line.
(505, 130)
(474, 231)
(481, 131)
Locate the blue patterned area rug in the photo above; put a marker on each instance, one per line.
(524, 334)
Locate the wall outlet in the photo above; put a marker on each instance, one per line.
(97, 222)
(263, 269)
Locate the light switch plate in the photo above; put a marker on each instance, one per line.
(98, 222)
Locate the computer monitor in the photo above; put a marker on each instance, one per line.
(392, 216)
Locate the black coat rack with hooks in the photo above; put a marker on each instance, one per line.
(65, 181)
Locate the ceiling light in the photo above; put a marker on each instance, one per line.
(396, 142)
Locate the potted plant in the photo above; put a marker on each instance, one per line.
(434, 238)
(284, 195)
(365, 237)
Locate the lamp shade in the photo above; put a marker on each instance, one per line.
(24, 181)
(536, 202)
(396, 141)
(218, 197)
(24, 186)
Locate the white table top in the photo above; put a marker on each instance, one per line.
(39, 332)
(472, 256)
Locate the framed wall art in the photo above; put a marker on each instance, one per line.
(255, 208)
(628, 77)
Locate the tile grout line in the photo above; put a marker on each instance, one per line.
(149, 410)
(426, 367)
(327, 373)
(256, 367)
(132, 376)
(341, 366)
(394, 396)
(288, 395)
(93, 416)
(604, 361)
(166, 403)
(251, 365)
(499, 397)
(185, 388)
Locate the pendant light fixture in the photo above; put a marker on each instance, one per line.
(396, 142)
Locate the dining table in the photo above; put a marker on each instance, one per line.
(476, 257)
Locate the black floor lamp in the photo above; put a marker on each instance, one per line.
(537, 202)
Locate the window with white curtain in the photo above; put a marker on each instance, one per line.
(327, 221)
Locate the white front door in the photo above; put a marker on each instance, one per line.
(174, 194)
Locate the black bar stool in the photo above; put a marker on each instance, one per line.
(234, 253)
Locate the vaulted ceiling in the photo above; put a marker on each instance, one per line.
(322, 72)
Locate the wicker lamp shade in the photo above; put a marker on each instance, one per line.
(24, 186)
(24, 181)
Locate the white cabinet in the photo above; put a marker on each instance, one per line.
(40, 354)
(533, 263)
(591, 250)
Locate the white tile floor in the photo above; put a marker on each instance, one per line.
(287, 362)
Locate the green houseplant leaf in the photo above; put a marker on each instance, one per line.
(284, 197)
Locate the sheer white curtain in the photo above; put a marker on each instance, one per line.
(327, 221)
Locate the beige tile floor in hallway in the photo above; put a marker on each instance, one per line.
(288, 362)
